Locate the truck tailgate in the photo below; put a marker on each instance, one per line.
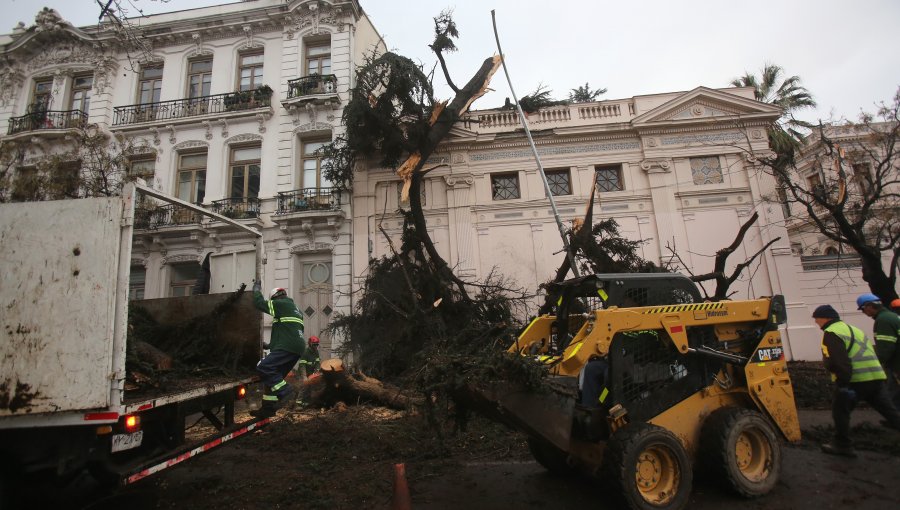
(57, 301)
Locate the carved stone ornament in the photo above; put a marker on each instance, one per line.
(190, 144)
(459, 180)
(756, 134)
(244, 137)
(311, 247)
(313, 126)
(176, 259)
(11, 81)
(48, 20)
(63, 54)
(656, 166)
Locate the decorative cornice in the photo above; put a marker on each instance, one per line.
(244, 137)
(313, 126)
(311, 247)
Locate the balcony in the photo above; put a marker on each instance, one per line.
(155, 217)
(188, 109)
(308, 199)
(47, 119)
(237, 208)
(309, 210)
(573, 116)
(316, 89)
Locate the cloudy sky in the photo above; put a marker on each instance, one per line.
(845, 52)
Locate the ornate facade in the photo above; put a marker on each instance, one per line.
(222, 106)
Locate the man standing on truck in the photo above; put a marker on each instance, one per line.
(887, 333)
(857, 374)
(286, 346)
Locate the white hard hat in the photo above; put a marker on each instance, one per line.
(276, 291)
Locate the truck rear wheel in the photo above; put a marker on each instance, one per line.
(649, 467)
(741, 448)
(550, 457)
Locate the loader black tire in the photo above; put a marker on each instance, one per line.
(648, 467)
(550, 457)
(741, 449)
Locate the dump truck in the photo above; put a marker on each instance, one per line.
(648, 382)
(65, 404)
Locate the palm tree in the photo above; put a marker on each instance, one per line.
(790, 95)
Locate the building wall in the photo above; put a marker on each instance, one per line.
(653, 139)
(294, 241)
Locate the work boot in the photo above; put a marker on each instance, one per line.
(266, 411)
(838, 449)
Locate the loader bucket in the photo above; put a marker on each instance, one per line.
(543, 413)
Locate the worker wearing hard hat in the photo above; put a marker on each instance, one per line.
(285, 348)
(887, 334)
(850, 357)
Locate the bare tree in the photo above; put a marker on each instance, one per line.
(845, 184)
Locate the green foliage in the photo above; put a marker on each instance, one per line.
(444, 32)
(608, 251)
(584, 94)
(789, 95)
(538, 99)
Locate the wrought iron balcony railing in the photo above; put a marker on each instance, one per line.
(151, 218)
(192, 107)
(314, 84)
(47, 119)
(237, 208)
(308, 199)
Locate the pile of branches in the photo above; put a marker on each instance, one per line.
(413, 327)
(157, 352)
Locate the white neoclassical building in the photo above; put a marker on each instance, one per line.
(225, 107)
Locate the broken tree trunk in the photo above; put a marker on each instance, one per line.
(338, 384)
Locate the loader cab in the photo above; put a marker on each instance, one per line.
(624, 290)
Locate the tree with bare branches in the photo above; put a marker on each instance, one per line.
(845, 186)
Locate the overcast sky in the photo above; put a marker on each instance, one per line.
(846, 52)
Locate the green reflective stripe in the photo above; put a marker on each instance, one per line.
(861, 351)
(886, 338)
(290, 319)
(272, 309)
(270, 397)
(604, 395)
(279, 385)
(603, 295)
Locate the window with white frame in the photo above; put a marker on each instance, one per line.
(312, 164)
(199, 77)
(81, 92)
(191, 177)
(250, 72)
(245, 172)
(318, 58)
(706, 170)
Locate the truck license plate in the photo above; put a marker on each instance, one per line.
(122, 442)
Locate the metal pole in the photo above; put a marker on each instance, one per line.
(562, 230)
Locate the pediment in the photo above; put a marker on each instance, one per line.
(49, 28)
(703, 105)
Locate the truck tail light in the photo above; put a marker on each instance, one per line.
(240, 392)
(132, 423)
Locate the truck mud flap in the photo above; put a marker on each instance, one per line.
(174, 458)
(544, 413)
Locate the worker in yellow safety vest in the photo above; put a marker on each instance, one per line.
(857, 374)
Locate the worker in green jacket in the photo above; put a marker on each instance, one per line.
(857, 374)
(887, 334)
(286, 346)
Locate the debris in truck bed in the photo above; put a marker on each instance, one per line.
(167, 355)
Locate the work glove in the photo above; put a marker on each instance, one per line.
(257, 286)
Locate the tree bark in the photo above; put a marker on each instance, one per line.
(337, 384)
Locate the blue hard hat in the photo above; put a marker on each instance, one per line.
(867, 298)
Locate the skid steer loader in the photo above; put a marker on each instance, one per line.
(679, 384)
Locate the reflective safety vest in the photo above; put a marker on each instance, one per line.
(863, 361)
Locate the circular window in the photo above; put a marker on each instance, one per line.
(318, 273)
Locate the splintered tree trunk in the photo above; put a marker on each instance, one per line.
(338, 384)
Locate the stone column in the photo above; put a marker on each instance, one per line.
(460, 222)
(662, 185)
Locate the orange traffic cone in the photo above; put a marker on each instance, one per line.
(401, 490)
